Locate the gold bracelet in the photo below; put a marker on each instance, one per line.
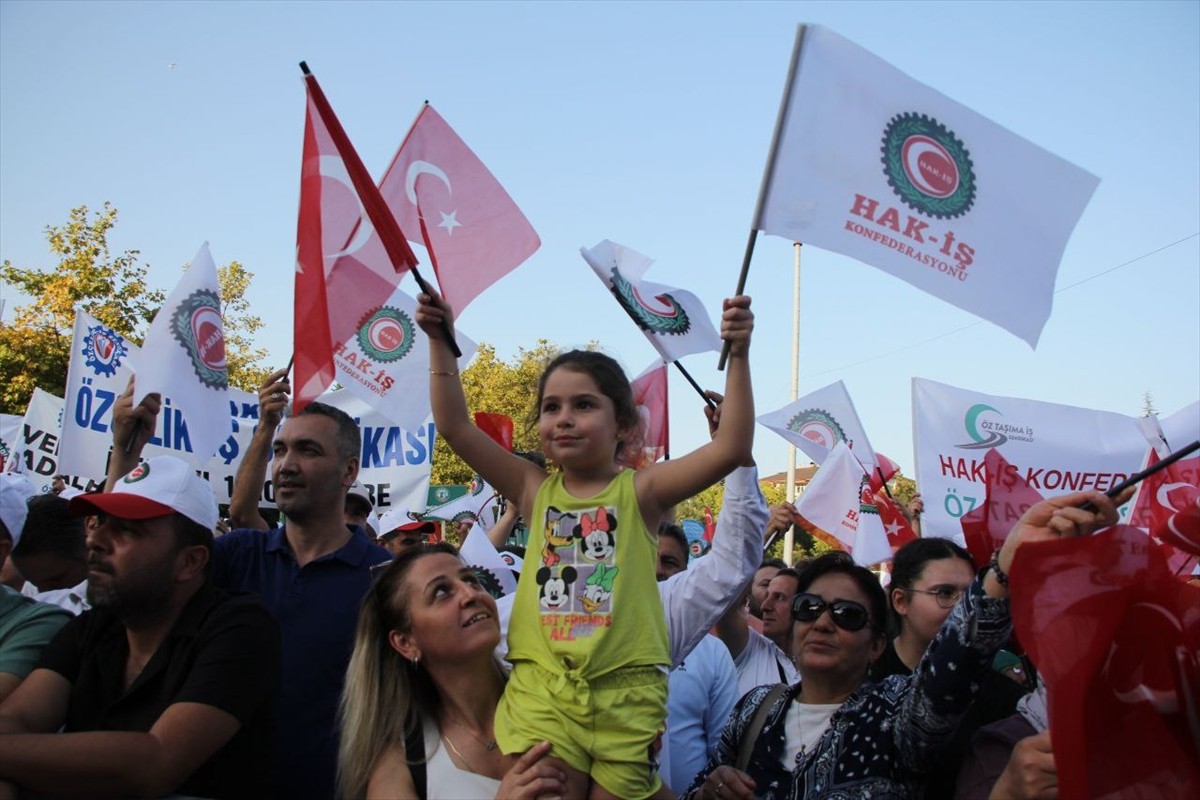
(439, 372)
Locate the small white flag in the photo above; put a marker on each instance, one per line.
(818, 421)
(674, 320)
(837, 503)
(183, 357)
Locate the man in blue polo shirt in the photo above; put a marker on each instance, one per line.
(311, 573)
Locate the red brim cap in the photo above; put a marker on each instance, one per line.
(118, 504)
(421, 525)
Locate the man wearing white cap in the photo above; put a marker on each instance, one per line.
(168, 685)
(26, 626)
(311, 573)
(401, 530)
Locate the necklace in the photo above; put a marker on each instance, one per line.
(449, 743)
(488, 745)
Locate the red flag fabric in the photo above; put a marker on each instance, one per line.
(885, 470)
(1117, 641)
(350, 252)
(898, 531)
(1008, 497)
(650, 397)
(710, 525)
(474, 232)
(1167, 506)
(497, 426)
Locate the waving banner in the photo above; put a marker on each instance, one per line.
(1055, 449)
(870, 163)
(395, 462)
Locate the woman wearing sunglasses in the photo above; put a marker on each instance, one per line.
(929, 577)
(838, 734)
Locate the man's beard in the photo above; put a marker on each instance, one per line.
(144, 593)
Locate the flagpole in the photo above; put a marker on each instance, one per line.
(768, 170)
(707, 400)
(789, 536)
(396, 246)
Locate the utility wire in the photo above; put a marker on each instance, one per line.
(980, 322)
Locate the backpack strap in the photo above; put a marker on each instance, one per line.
(414, 754)
(756, 725)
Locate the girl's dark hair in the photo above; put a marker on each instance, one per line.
(908, 564)
(842, 563)
(609, 378)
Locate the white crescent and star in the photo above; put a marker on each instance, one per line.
(415, 170)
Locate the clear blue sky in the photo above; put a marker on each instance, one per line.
(648, 124)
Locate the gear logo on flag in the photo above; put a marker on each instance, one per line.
(196, 324)
(103, 349)
(488, 581)
(927, 166)
(817, 425)
(866, 500)
(666, 317)
(386, 335)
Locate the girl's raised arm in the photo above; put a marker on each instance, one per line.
(511, 475)
(666, 483)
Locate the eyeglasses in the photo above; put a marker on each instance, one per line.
(947, 596)
(846, 614)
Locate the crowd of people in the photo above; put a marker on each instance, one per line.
(155, 651)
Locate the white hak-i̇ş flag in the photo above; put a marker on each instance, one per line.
(870, 163)
(818, 421)
(674, 320)
(838, 503)
(183, 357)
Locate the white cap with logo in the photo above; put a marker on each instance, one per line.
(155, 488)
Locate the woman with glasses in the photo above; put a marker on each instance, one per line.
(838, 734)
(929, 578)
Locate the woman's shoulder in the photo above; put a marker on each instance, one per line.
(391, 776)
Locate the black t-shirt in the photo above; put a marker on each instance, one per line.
(222, 652)
(997, 699)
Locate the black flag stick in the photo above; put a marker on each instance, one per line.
(391, 236)
(708, 400)
(1138, 477)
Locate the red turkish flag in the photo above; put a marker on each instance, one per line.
(497, 426)
(885, 470)
(350, 252)
(1167, 506)
(898, 531)
(1117, 641)
(474, 232)
(1008, 497)
(650, 397)
(710, 525)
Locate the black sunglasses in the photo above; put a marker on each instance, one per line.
(846, 614)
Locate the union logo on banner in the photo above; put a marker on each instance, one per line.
(196, 325)
(386, 335)
(927, 166)
(819, 426)
(666, 316)
(103, 350)
(987, 429)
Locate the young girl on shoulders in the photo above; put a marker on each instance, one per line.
(587, 640)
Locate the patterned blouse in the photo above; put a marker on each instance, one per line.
(885, 735)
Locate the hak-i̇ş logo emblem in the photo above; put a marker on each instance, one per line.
(386, 335)
(927, 166)
(103, 349)
(196, 325)
(818, 426)
(665, 316)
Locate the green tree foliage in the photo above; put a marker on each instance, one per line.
(35, 348)
(244, 359)
(498, 387)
